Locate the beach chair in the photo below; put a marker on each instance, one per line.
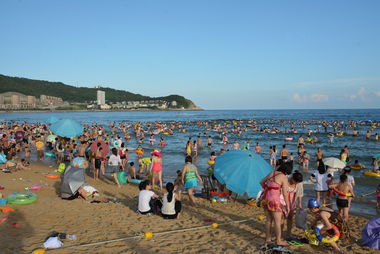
(208, 186)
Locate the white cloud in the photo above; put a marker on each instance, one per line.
(361, 94)
(310, 98)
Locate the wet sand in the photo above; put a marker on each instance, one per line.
(96, 222)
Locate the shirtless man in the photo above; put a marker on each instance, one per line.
(82, 149)
(319, 155)
(342, 200)
(209, 142)
(98, 160)
(284, 153)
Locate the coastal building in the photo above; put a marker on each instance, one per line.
(14, 100)
(101, 97)
(46, 100)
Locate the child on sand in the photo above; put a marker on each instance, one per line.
(323, 214)
(342, 200)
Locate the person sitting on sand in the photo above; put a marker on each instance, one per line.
(22, 165)
(342, 200)
(147, 199)
(171, 204)
(323, 214)
(190, 178)
(178, 185)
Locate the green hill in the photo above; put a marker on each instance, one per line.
(80, 94)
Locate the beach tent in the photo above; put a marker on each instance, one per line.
(67, 128)
(72, 180)
(371, 234)
(241, 171)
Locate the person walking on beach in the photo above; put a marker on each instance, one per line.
(275, 186)
(190, 178)
(320, 177)
(156, 168)
(342, 200)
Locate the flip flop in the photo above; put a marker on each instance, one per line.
(295, 243)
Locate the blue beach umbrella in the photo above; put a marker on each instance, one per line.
(52, 119)
(67, 128)
(241, 171)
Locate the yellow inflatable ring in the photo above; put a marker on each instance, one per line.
(355, 167)
(371, 173)
(323, 239)
(211, 163)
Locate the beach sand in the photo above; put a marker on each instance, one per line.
(96, 222)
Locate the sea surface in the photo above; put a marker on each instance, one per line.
(173, 154)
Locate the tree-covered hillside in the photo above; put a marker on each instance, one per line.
(78, 94)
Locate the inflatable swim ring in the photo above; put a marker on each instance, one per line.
(3, 158)
(166, 133)
(139, 152)
(22, 198)
(371, 173)
(135, 181)
(342, 193)
(211, 163)
(219, 193)
(340, 133)
(50, 154)
(288, 139)
(309, 140)
(327, 239)
(356, 167)
(52, 176)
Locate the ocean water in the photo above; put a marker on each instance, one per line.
(173, 153)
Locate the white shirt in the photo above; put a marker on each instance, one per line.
(144, 198)
(114, 160)
(168, 208)
(321, 180)
(351, 180)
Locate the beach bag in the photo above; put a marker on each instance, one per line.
(122, 177)
(301, 219)
(53, 243)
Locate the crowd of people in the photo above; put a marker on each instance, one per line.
(283, 187)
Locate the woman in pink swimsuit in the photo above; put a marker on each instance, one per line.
(274, 202)
(156, 168)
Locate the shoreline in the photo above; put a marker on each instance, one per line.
(85, 110)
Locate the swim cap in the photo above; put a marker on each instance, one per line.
(313, 203)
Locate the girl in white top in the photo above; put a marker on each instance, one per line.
(320, 178)
(171, 205)
(114, 162)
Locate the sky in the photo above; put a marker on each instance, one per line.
(236, 54)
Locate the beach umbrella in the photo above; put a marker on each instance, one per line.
(72, 180)
(371, 234)
(52, 119)
(51, 138)
(67, 128)
(103, 145)
(334, 162)
(241, 171)
(79, 162)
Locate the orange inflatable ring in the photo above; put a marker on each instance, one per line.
(139, 152)
(219, 193)
(52, 176)
(342, 193)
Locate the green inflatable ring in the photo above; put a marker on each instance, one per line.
(21, 198)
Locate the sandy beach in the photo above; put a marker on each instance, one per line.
(98, 222)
